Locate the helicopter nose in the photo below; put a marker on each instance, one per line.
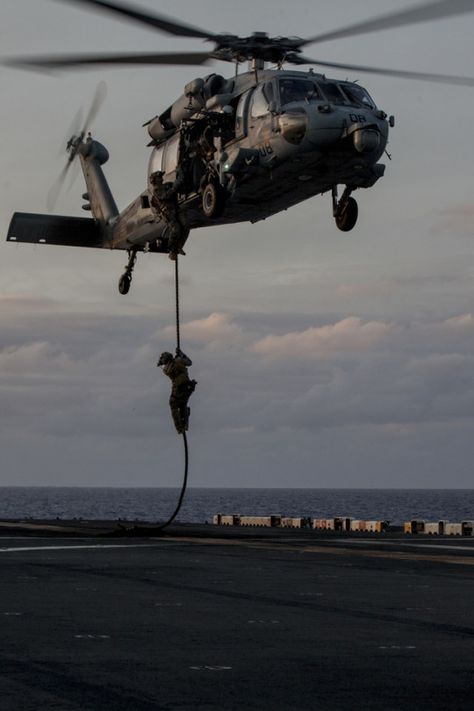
(366, 140)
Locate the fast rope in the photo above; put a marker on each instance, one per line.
(183, 489)
(152, 530)
(185, 441)
(176, 290)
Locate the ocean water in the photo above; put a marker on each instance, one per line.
(200, 504)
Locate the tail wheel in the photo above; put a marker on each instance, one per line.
(347, 218)
(213, 200)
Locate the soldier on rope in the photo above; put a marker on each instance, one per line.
(176, 368)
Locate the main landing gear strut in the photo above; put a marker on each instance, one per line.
(126, 278)
(345, 210)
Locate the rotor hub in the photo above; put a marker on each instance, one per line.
(260, 46)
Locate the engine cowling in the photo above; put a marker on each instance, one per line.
(194, 98)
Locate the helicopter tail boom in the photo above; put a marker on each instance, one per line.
(99, 197)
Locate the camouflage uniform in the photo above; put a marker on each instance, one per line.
(164, 201)
(182, 387)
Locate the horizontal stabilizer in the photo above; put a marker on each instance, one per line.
(55, 229)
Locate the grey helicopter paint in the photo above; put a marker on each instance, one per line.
(276, 154)
(238, 149)
(282, 151)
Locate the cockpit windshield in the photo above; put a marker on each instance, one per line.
(333, 93)
(294, 89)
(297, 90)
(358, 96)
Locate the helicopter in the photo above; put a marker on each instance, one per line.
(230, 150)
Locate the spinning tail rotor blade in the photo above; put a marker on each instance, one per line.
(420, 13)
(159, 22)
(56, 187)
(402, 74)
(73, 130)
(63, 61)
(74, 140)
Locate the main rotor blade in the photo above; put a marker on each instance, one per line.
(159, 22)
(420, 13)
(60, 61)
(440, 78)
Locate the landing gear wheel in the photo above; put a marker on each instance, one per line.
(213, 200)
(347, 218)
(126, 278)
(124, 283)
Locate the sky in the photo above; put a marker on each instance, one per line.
(323, 359)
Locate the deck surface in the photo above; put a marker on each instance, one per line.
(215, 618)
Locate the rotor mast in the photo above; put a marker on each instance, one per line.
(256, 63)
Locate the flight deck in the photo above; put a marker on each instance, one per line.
(205, 617)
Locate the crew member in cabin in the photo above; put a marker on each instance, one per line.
(164, 202)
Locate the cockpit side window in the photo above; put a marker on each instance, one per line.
(358, 96)
(240, 123)
(297, 90)
(268, 91)
(259, 101)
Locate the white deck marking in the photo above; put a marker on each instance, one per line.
(398, 646)
(437, 546)
(328, 577)
(98, 546)
(209, 668)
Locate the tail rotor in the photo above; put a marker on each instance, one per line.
(76, 138)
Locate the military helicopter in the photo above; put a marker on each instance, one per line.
(231, 150)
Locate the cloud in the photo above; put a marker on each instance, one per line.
(457, 220)
(350, 334)
(464, 321)
(295, 276)
(440, 363)
(454, 335)
(83, 377)
(217, 328)
(24, 302)
(38, 357)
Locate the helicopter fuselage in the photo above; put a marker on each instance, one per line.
(273, 139)
(231, 151)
